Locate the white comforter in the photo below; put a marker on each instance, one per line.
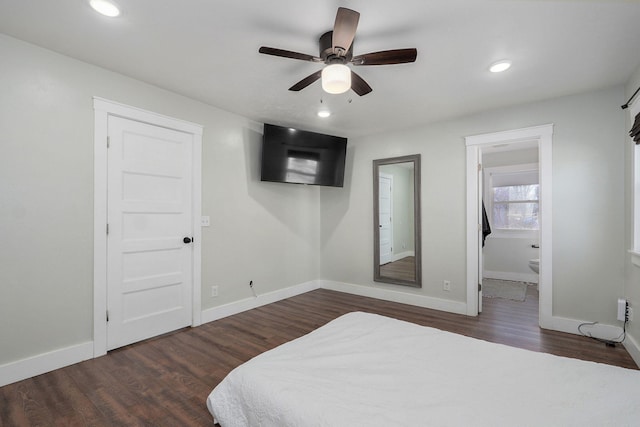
(368, 370)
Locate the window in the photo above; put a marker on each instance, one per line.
(512, 199)
(515, 207)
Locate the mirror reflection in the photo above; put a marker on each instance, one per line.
(397, 220)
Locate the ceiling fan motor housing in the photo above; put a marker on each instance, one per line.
(328, 55)
(336, 51)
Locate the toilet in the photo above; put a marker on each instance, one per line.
(534, 264)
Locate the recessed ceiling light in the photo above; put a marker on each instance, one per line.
(105, 7)
(500, 66)
(324, 113)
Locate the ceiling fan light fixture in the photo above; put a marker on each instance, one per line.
(105, 7)
(324, 114)
(500, 66)
(336, 78)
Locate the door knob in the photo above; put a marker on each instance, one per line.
(187, 240)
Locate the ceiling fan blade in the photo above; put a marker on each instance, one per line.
(386, 57)
(288, 54)
(344, 29)
(358, 85)
(306, 81)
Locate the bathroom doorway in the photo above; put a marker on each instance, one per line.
(511, 241)
(511, 156)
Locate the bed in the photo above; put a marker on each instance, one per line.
(363, 369)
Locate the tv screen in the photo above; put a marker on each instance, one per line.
(301, 157)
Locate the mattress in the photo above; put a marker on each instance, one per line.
(363, 369)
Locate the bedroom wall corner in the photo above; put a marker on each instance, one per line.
(219, 312)
(261, 232)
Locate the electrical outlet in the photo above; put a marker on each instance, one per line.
(205, 221)
(446, 285)
(214, 291)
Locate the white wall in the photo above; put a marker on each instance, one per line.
(510, 157)
(507, 258)
(632, 272)
(263, 232)
(588, 202)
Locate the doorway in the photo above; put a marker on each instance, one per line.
(147, 211)
(540, 137)
(510, 247)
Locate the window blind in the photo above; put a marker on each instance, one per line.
(634, 133)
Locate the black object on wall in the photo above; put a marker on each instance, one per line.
(625, 106)
(486, 228)
(634, 133)
(300, 157)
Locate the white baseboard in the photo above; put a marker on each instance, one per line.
(395, 296)
(607, 332)
(50, 361)
(556, 323)
(633, 348)
(45, 362)
(599, 330)
(215, 313)
(507, 275)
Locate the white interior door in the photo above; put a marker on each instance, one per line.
(386, 228)
(480, 231)
(149, 215)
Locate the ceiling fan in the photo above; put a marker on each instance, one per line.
(336, 51)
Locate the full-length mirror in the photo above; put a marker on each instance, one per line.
(396, 223)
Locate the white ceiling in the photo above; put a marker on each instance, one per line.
(208, 50)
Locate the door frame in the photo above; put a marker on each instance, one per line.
(543, 135)
(480, 205)
(104, 108)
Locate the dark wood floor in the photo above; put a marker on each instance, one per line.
(165, 381)
(403, 269)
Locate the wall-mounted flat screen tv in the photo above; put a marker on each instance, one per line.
(301, 157)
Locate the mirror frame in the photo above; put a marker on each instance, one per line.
(377, 277)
